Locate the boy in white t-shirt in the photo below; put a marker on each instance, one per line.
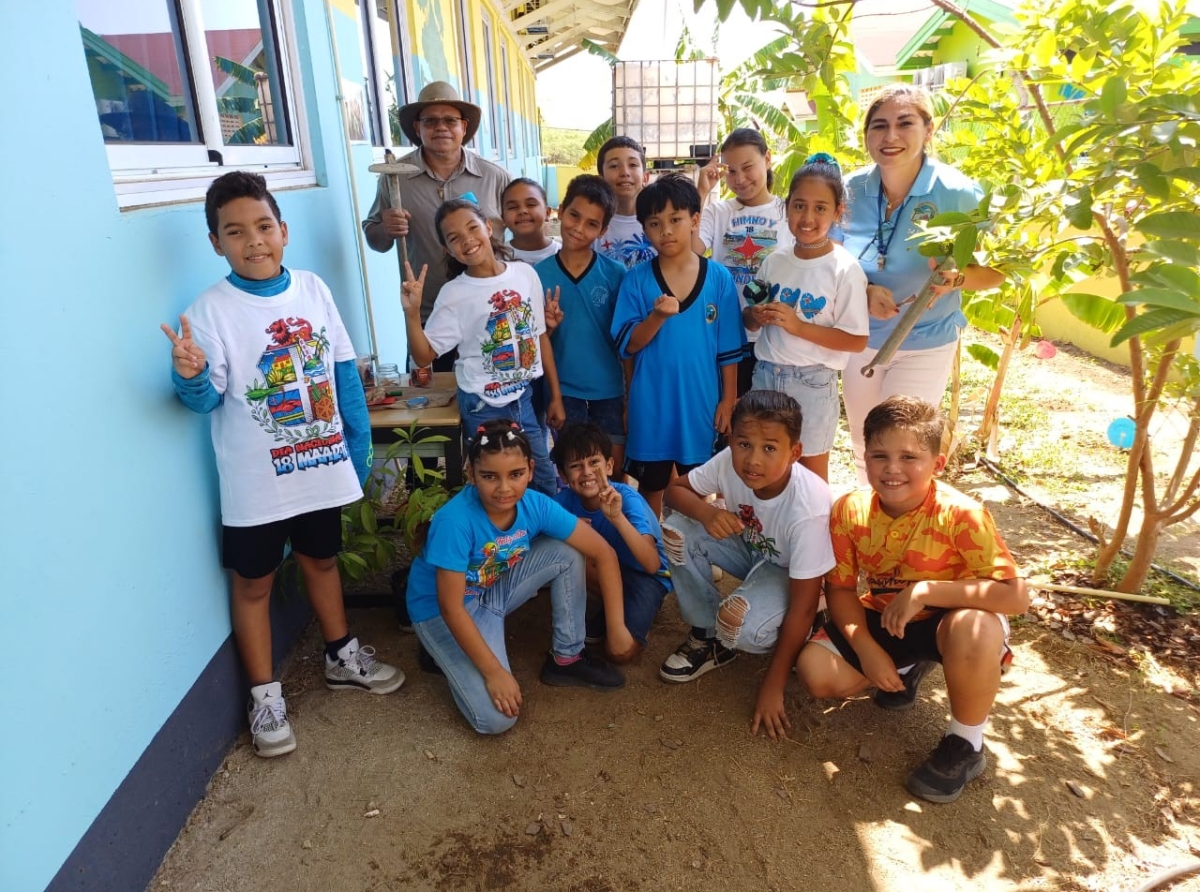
(772, 533)
(265, 352)
(622, 164)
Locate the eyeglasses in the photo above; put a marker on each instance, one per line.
(433, 122)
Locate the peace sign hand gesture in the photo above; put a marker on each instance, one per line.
(186, 356)
(554, 313)
(412, 288)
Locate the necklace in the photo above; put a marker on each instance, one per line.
(881, 244)
(815, 246)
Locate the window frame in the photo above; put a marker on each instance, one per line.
(495, 125)
(147, 174)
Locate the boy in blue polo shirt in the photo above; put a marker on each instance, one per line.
(586, 284)
(678, 316)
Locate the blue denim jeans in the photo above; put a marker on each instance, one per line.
(549, 561)
(475, 411)
(815, 388)
(643, 597)
(765, 588)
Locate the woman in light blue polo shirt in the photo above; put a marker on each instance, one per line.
(902, 186)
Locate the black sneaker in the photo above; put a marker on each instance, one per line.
(949, 768)
(595, 628)
(693, 658)
(399, 582)
(585, 672)
(898, 701)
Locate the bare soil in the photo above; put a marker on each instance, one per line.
(1093, 780)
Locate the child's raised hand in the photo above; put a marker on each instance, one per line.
(186, 356)
(721, 524)
(709, 175)
(412, 288)
(610, 502)
(505, 692)
(666, 305)
(554, 313)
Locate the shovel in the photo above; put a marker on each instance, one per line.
(393, 169)
(919, 305)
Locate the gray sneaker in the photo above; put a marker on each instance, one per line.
(269, 727)
(357, 669)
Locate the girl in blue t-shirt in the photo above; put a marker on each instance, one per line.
(489, 550)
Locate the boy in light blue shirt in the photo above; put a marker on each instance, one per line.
(583, 285)
(584, 457)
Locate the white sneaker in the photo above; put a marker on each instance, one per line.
(356, 668)
(269, 726)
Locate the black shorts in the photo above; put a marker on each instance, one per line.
(919, 641)
(254, 552)
(653, 476)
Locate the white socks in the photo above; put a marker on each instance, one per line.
(973, 734)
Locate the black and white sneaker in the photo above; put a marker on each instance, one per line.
(949, 768)
(357, 669)
(898, 701)
(693, 658)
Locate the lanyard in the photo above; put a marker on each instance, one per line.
(881, 246)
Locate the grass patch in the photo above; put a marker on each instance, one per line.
(1184, 599)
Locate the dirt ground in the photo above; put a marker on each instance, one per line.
(1093, 781)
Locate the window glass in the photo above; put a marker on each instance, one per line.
(489, 64)
(244, 62)
(138, 71)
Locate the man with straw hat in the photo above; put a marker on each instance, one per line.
(438, 124)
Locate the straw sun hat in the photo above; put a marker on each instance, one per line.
(438, 93)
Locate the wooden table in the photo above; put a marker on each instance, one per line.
(438, 420)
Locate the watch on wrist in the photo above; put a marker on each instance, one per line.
(959, 279)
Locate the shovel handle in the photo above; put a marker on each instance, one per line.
(908, 321)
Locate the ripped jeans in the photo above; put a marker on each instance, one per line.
(750, 617)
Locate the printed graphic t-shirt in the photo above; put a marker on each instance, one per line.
(790, 530)
(625, 242)
(830, 291)
(495, 322)
(948, 536)
(278, 433)
(463, 539)
(741, 238)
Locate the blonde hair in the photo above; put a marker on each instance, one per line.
(906, 94)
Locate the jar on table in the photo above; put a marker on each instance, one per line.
(388, 376)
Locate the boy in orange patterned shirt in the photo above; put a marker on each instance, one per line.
(939, 581)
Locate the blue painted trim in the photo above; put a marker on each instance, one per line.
(126, 842)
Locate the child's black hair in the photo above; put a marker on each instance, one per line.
(497, 435)
(453, 267)
(907, 413)
(748, 136)
(579, 440)
(523, 181)
(824, 168)
(768, 406)
(674, 189)
(619, 142)
(232, 186)
(594, 189)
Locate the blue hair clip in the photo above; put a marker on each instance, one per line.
(822, 158)
(470, 196)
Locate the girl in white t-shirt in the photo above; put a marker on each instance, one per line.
(741, 231)
(815, 312)
(493, 312)
(523, 210)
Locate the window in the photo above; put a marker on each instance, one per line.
(183, 87)
(509, 112)
(466, 56)
(387, 83)
(489, 65)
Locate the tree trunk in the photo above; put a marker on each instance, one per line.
(992, 409)
(1143, 555)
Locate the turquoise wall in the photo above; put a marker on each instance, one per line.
(112, 595)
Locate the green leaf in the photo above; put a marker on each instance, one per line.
(1149, 322)
(1079, 212)
(985, 355)
(950, 218)
(964, 246)
(1112, 94)
(1178, 252)
(1170, 225)
(240, 73)
(1099, 312)
(596, 50)
(352, 558)
(1162, 297)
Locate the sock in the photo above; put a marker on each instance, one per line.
(332, 647)
(906, 669)
(700, 634)
(973, 734)
(566, 661)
